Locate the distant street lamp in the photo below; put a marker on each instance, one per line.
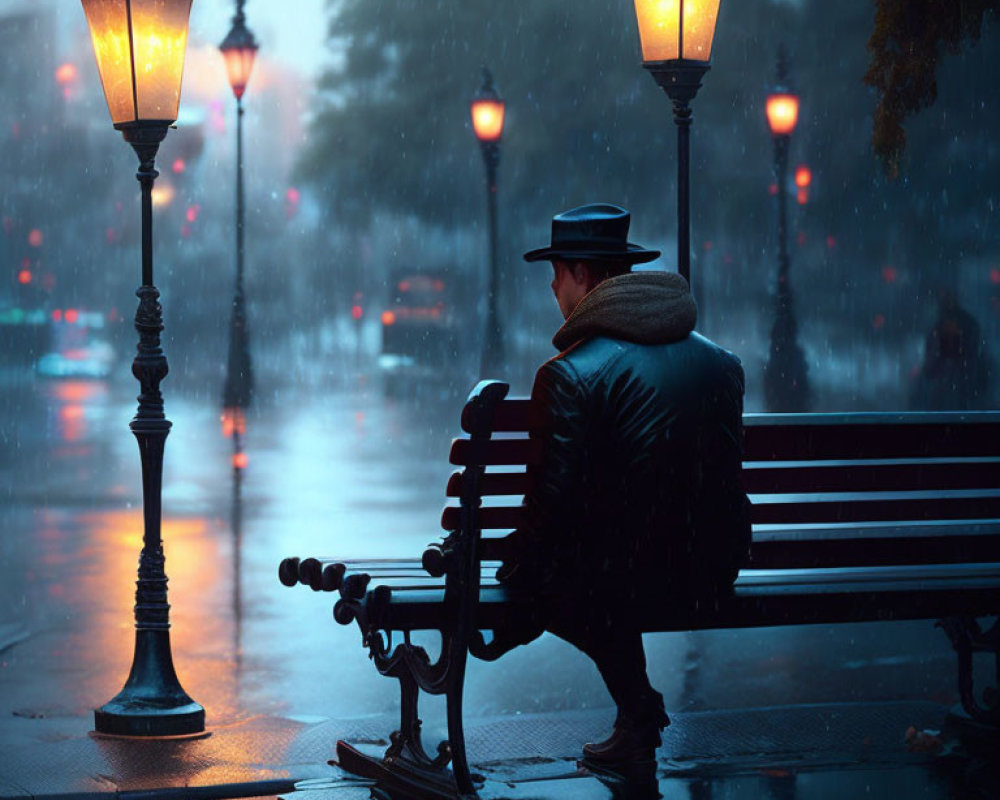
(239, 49)
(140, 55)
(487, 109)
(786, 378)
(676, 38)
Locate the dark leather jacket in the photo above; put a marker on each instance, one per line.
(640, 486)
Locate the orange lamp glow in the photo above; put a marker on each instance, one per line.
(140, 47)
(388, 318)
(676, 29)
(782, 113)
(487, 119)
(24, 276)
(240, 460)
(239, 48)
(803, 176)
(487, 110)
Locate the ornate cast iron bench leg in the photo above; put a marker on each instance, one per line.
(405, 769)
(968, 637)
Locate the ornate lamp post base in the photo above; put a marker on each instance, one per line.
(152, 702)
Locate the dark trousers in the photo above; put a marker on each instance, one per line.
(614, 644)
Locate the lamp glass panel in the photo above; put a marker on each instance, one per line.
(487, 119)
(159, 38)
(782, 113)
(700, 17)
(108, 22)
(659, 28)
(659, 32)
(239, 65)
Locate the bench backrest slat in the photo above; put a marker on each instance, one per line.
(495, 452)
(792, 437)
(872, 485)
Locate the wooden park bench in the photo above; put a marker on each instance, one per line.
(856, 518)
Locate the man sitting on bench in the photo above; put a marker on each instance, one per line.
(638, 501)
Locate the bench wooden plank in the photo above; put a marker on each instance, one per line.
(791, 437)
(870, 475)
(512, 414)
(495, 452)
(875, 506)
(800, 509)
(760, 599)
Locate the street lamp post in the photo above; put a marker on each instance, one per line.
(786, 378)
(239, 49)
(140, 56)
(487, 109)
(676, 38)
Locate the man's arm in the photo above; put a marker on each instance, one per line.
(554, 501)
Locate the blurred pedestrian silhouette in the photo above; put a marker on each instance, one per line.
(955, 373)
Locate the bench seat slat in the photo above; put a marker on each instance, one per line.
(760, 600)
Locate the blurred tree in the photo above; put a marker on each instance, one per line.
(909, 39)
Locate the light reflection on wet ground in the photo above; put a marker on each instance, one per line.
(351, 474)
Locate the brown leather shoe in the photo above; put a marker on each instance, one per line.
(624, 746)
(631, 741)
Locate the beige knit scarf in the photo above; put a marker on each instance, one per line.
(642, 307)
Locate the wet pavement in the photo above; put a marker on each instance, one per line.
(338, 468)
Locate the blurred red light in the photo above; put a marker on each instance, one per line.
(24, 276)
(35, 238)
(72, 315)
(293, 195)
(356, 312)
(831, 242)
(802, 196)
(403, 286)
(878, 321)
(995, 275)
(709, 245)
(240, 460)
(178, 166)
(889, 274)
(66, 73)
(438, 285)
(57, 315)
(803, 176)
(388, 318)
(772, 189)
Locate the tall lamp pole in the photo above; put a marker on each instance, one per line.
(140, 56)
(239, 49)
(676, 40)
(786, 374)
(487, 109)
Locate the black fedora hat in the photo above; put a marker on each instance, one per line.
(596, 231)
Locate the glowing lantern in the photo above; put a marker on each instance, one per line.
(782, 113)
(487, 111)
(140, 47)
(239, 48)
(671, 30)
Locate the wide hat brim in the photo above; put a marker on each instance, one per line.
(633, 254)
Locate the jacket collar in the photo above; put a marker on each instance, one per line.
(641, 307)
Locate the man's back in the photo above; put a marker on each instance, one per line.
(654, 491)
